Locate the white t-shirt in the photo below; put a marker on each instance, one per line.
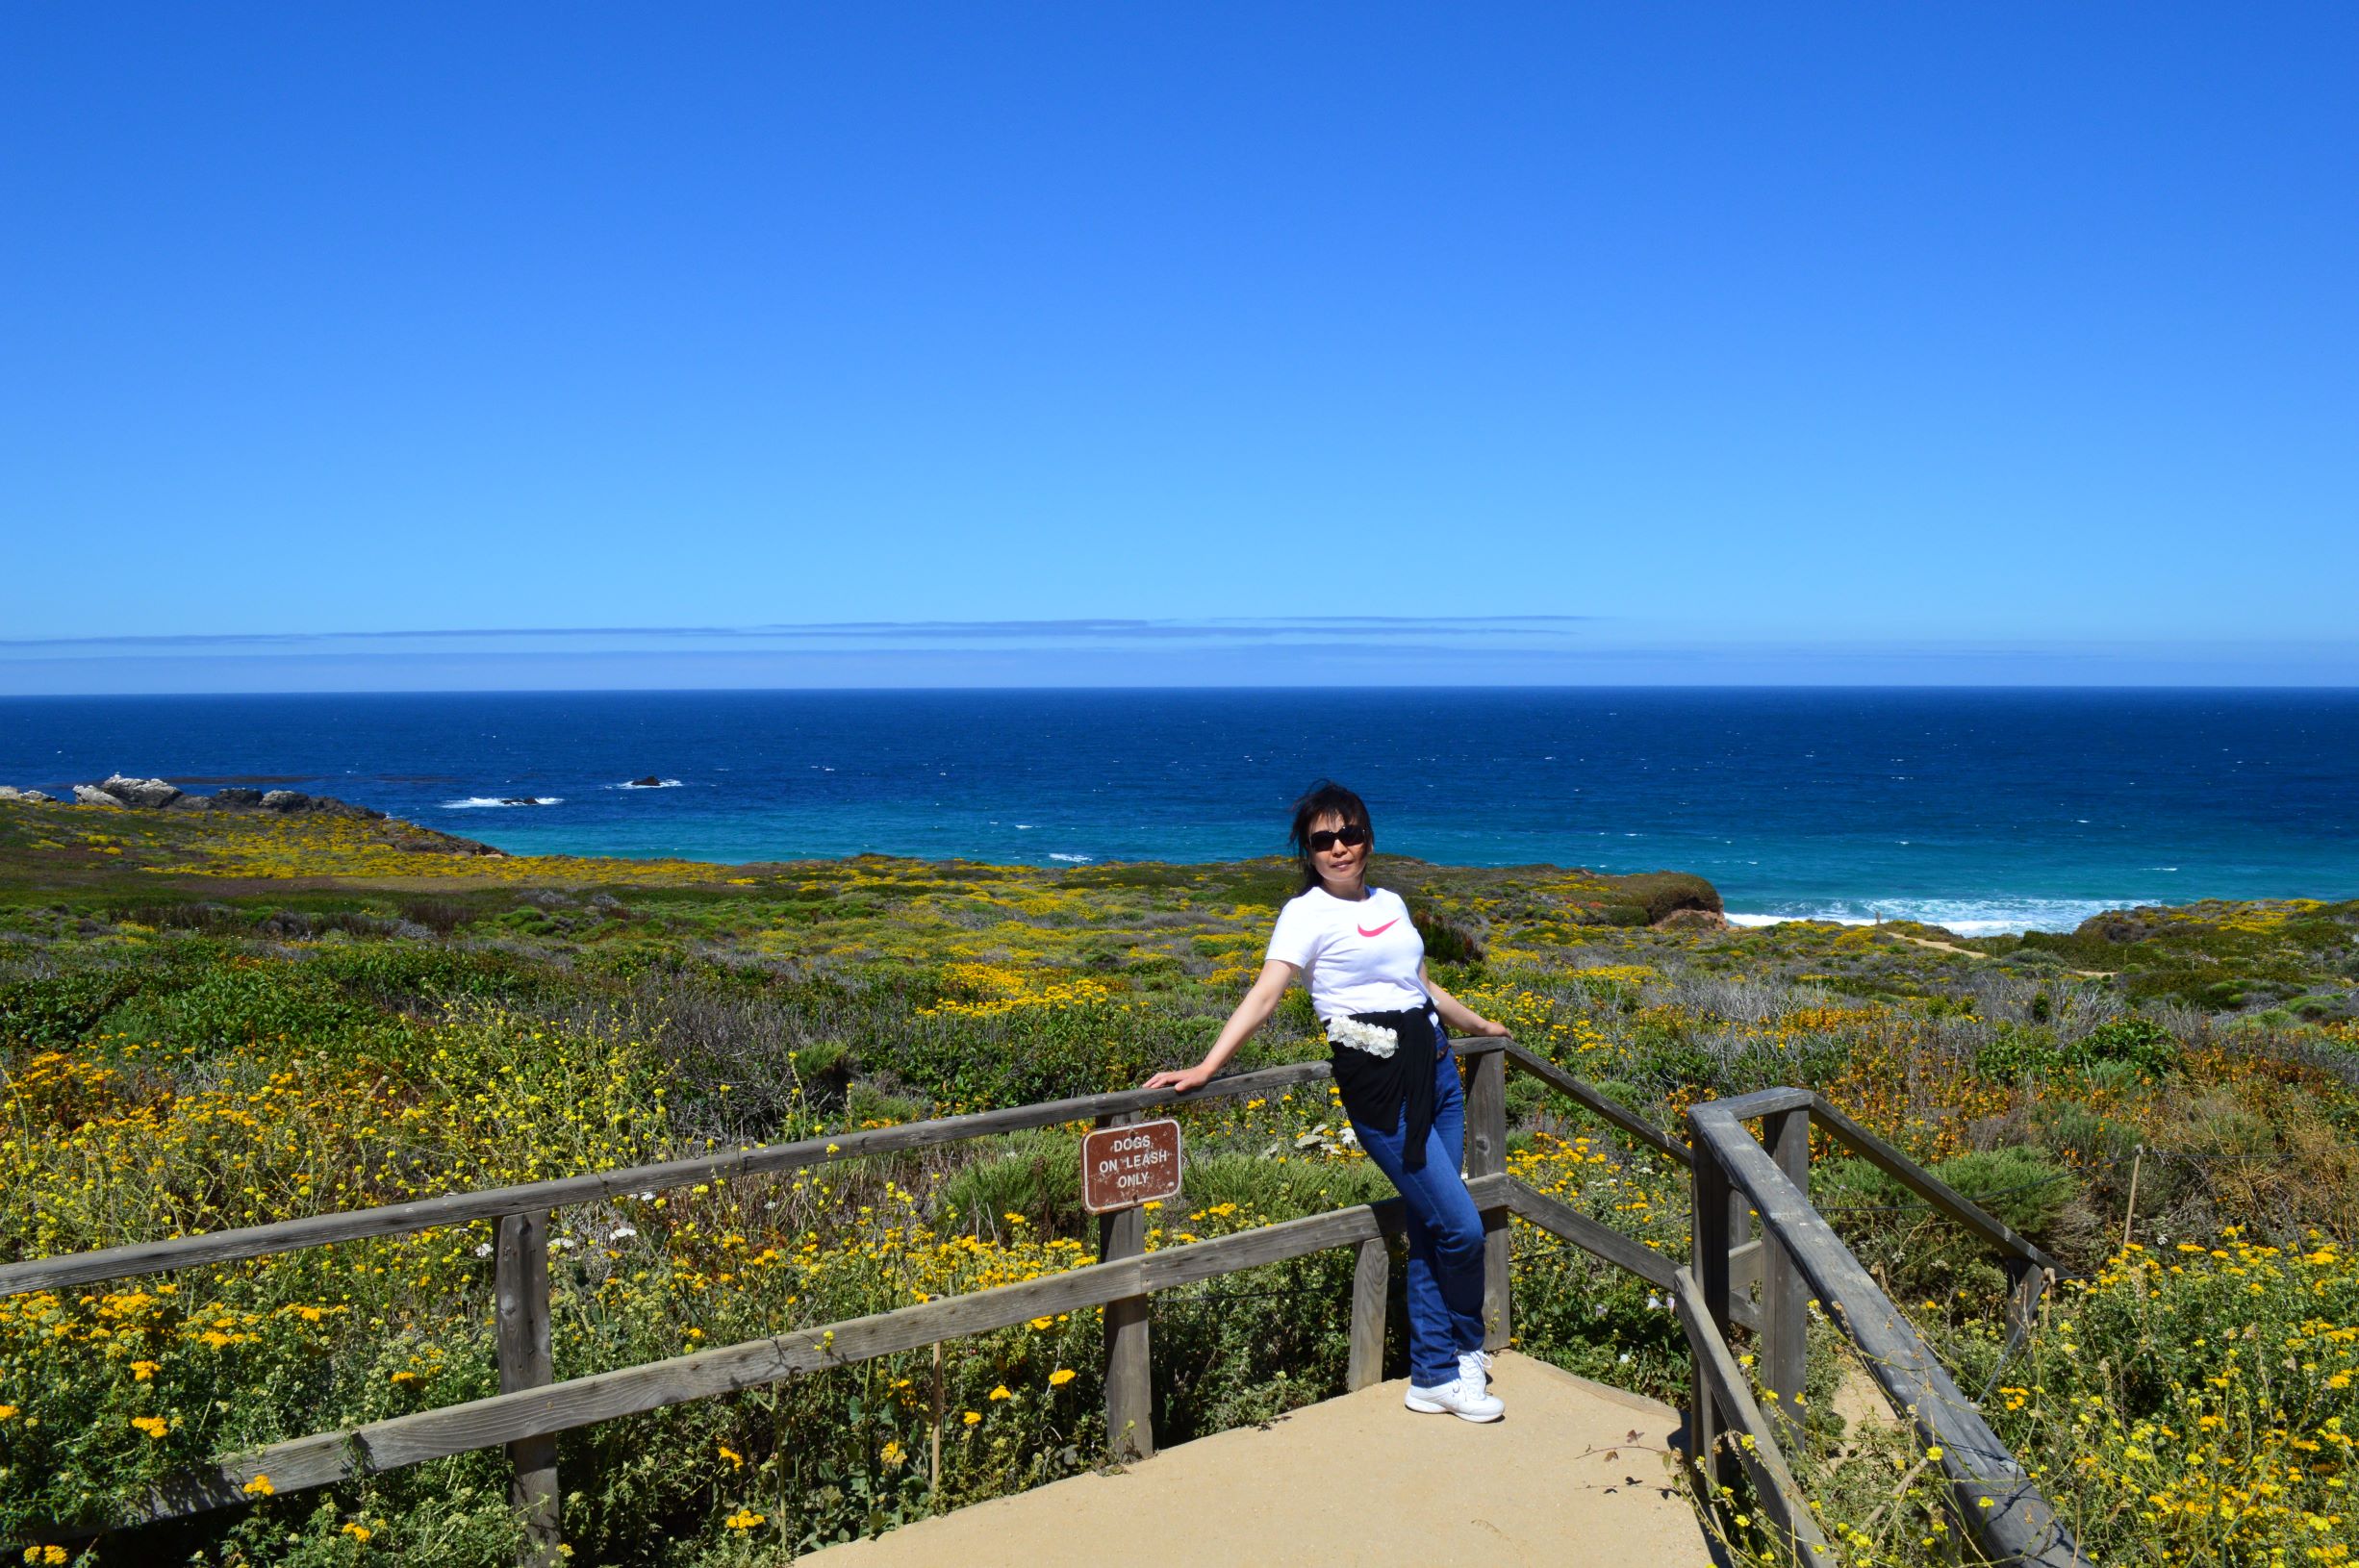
(1356, 956)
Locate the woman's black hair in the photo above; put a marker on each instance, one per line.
(1325, 799)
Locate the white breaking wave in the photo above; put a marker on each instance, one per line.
(477, 803)
(1078, 860)
(1967, 916)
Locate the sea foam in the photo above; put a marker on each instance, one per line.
(1966, 917)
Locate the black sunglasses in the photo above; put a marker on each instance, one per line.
(1325, 839)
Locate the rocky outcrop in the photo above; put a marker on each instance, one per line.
(123, 792)
(140, 792)
(1692, 919)
(155, 794)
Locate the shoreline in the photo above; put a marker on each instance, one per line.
(1966, 917)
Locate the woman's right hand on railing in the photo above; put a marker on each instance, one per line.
(1183, 1080)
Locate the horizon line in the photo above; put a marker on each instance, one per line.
(1635, 687)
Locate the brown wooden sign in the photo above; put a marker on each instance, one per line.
(1125, 1167)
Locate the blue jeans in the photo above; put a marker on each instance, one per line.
(1445, 1232)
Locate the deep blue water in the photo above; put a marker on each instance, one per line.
(1978, 809)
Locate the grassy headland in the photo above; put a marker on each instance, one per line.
(213, 1019)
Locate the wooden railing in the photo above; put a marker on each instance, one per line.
(531, 1409)
(1801, 1262)
(1728, 1169)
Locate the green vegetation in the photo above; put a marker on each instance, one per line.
(209, 1022)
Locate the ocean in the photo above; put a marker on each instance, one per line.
(1980, 810)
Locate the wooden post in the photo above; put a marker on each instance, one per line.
(1785, 1294)
(934, 1476)
(1371, 1279)
(1486, 1155)
(1130, 1378)
(2026, 1283)
(1714, 1233)
(521, 1289)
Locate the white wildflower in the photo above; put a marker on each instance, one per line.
(624, 1232)
(483, 1250)
(1373, 1038)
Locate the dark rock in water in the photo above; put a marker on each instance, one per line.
(650, 782)
(519, 800)
(140, 792)
(286, 801)
(238, 796)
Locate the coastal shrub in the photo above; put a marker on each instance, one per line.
(824, 1068)
(258, 999)
(1280, 1188)
(2137, 1045)
(411, 976)
(1032, 1178)
(866, 1103)
(1920, 1254)
(2016, 1052)
(1671, 1066)
(1448, 938)
(2133, 1042)
(61, 1009)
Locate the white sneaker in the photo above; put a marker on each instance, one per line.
(1475, 1367)
(1460, 1396)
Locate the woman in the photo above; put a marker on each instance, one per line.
(1357, 949)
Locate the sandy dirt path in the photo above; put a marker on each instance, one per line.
(1574, 1474)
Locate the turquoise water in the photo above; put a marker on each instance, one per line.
(1982, 810)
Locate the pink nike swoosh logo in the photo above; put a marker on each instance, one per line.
(1380, 930)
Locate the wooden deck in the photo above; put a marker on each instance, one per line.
(1575, 1473)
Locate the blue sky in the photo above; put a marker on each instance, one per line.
(370, 346)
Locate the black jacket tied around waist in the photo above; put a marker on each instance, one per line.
(1376, 1087)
